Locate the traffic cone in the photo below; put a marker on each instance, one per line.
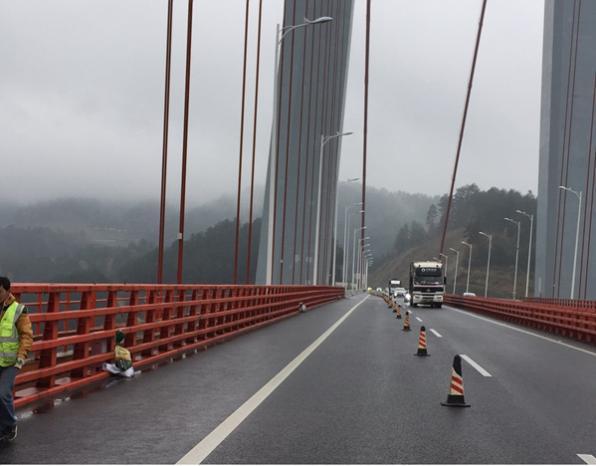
(455, 398)
(422, 343)
(398, 312)
(407, 322)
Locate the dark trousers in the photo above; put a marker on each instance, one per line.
(7, 416)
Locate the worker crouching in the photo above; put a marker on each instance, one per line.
(122, 359)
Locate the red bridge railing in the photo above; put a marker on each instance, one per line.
(74, 325)
(577, 322)
(573, 303)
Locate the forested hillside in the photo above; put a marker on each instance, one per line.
(472, 211)
(79, 240)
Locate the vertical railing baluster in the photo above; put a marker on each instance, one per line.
(47, 358)
(82, 350)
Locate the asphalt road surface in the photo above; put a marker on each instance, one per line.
(339, 384)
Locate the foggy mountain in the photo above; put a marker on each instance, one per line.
(90, 240)
(111, 223)
(386, 212)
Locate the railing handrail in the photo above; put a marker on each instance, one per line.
(574, 322)
(160, 322)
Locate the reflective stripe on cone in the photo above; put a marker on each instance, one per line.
(455, 398)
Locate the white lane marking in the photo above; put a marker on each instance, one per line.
(475, 365)
(418, 319)
(204, 448)
(558, 342)
(436, 333)
(588, 459)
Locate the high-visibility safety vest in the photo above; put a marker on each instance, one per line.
(9, 335)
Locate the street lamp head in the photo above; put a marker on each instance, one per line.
(454, 250)
(578, 194)
(525, 214)
(466, 244)
(320, 20)
(351, 180)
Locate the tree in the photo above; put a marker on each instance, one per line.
(431, 217)
(418, 234)
(402, 240)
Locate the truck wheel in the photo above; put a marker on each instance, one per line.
(413, 305)
(440, 305)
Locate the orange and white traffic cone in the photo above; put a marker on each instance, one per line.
(407, 322)
(398, 312)
(422, 343)
(455, 398)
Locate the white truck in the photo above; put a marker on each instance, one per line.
(393, 285)
(427, 283)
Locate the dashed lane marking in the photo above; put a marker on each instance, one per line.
(558, 342)
(588, 459)
(418, 319)
(436, 333)
(204, 448)
(475, 365)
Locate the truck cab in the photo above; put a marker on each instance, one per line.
(427, 284)
(393, 285)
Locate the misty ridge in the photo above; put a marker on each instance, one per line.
(75, 240)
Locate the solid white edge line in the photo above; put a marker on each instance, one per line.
(475, 365)
(591, 353)
(588, 459)
(418, 319)
(436, 333)
(206, 446)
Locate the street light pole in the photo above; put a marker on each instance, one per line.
(578, 194)
(516, 255)
(359, 267)
(490, 243)
(344, 270)
(531, 217)
(469, 264)
(324, 140)
(335, 235)
(456, 267)
(354, 253)
(446, 262)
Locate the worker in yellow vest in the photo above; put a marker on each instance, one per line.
(16, 339)
(122, 359)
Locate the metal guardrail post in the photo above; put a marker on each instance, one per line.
(47, 357)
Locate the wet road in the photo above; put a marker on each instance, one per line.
(357, 396)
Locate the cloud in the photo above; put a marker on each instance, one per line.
(81, 95)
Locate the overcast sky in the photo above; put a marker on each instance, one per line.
(81, 96)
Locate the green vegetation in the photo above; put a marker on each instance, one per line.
(472, 211)
(78, 240)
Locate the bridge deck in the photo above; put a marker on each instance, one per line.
(361, 397)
